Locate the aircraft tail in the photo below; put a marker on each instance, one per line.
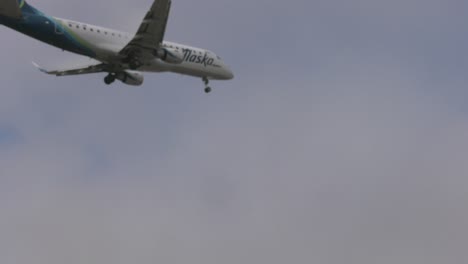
(10, 8)
(15, 8)
(26, 8)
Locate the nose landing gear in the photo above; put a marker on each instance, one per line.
(207, 88)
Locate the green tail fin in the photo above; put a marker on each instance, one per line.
(26, 8)
(11, 8)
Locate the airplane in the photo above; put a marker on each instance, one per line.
(122, 56)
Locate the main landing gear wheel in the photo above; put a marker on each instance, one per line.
(207, 82)
(109, 79)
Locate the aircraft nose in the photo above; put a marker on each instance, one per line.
(228, 74)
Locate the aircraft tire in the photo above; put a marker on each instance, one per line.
(109, 79)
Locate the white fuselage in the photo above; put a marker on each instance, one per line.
(107, 43)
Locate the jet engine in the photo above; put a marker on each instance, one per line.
(130, 77)
(170, 55)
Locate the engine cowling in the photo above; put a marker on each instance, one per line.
(130, 77)
(170, 55)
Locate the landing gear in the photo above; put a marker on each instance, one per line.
(207, 82)
(135, 64)
(109, 79)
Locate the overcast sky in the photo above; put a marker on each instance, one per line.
(342, 139)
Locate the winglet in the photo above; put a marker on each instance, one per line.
(40, 68)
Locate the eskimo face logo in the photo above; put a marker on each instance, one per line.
(192, 56)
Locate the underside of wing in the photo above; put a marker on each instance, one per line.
(150, 33)
(128, 77)
(96, 68)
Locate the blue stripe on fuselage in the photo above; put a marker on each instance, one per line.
(46, 29)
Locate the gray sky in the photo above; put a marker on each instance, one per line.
(342, 139)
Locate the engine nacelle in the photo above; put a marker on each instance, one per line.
(130, 77)
(170, 55)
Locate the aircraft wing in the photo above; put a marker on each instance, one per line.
(85, 70)
(151, 31)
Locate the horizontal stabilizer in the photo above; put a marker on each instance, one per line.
(10, 8)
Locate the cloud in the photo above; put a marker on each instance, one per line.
(348, 155)
(360, 168)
